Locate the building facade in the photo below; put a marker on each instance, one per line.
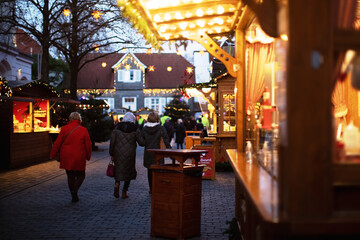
(135, 80)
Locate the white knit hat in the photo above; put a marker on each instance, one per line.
(129, 117)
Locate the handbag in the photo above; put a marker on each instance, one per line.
(162, 143)
(110, 171)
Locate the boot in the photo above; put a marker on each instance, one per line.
(116, 191)
(124, 194)
(75, 197)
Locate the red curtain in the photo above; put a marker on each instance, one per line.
(257, 55)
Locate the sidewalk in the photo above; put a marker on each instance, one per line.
(35, 203)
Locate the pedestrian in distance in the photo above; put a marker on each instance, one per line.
(74, 147)
(123, 144)
(152, 133)
(180, 134)
(199, 125)
(169, 130)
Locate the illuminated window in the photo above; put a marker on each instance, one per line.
(133, 75)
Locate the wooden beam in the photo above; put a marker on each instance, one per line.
(346, 40)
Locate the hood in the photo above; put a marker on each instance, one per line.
(151, 128)
(126, 127)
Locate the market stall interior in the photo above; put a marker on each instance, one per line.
(297, 171)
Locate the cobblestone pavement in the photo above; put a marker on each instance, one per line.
(35, 203)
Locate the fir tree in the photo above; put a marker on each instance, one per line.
(177, 108)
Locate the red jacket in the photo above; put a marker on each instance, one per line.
(76, 148)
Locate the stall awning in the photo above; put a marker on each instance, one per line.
(179, 19)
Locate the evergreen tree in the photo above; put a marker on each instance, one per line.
(177, 108)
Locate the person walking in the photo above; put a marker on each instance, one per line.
(169, 130)
(123, 144)
(152, 133)
(74, 146)
(180, 134)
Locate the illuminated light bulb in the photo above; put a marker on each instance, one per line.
(189, 69)
(232, 9)
(188, 14)
(167, 36)
(284, 37)
(210, 11)
(175, 3)
(220, 10)
(199, 13)
(96, 14)
(127, 67)
(163, 28)
(200, 23)
(218, 30)
(96, 47)
(210, 31)
(178, 15)
(157, 18)
(178, 52)
(151, 68)
(169, 69)
(192, 25)
(167, 17)
(177, 36)
(219, 21)
(183, 25)
(173, 27)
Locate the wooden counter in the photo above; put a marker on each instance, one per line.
(258, 184)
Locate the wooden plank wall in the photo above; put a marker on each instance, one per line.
(29, 148)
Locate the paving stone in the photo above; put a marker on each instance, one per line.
(35, 203)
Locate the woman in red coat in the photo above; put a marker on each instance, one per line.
(74, 145)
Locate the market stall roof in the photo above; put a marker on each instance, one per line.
(35, 89)
(181, 19)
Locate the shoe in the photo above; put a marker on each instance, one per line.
(75, 197)
(116, 192)
(124, 194)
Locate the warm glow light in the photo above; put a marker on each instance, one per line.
(284, 37)
(200, 23)
(167, 17)
(169, 69)
(199, 13)
(19, 72)
(127, 67)
(66, 12)
(189, 69)
(220, 10)
(96, 14)
(96, 47)
(151, 68)
(103, 64)
(178, 15)
(157, 18)
(178, 52)
(183, 25)
(202, 52)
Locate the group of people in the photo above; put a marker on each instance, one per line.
(73, 145)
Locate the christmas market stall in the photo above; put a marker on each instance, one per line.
(296, 160)
(25, 123)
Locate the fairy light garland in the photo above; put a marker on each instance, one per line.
(157, 92)
(5, 90)
(91, 92)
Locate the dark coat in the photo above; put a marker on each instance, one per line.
(123, 150)
(152, 133)
(180, 133)
(75, 149)
(169, 129)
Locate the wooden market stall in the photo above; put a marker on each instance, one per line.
(307, 191)
(25, 125)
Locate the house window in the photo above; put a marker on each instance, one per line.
(156, 104)
(132, 75)
(129, 102)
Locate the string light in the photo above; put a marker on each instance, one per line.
(96, 47)
(189, 69)
(149, 52)
(151, 68)
(156, 92)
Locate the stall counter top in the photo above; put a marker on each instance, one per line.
(258, 183)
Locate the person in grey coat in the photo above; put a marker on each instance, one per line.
(152, 133)
(123, 151)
